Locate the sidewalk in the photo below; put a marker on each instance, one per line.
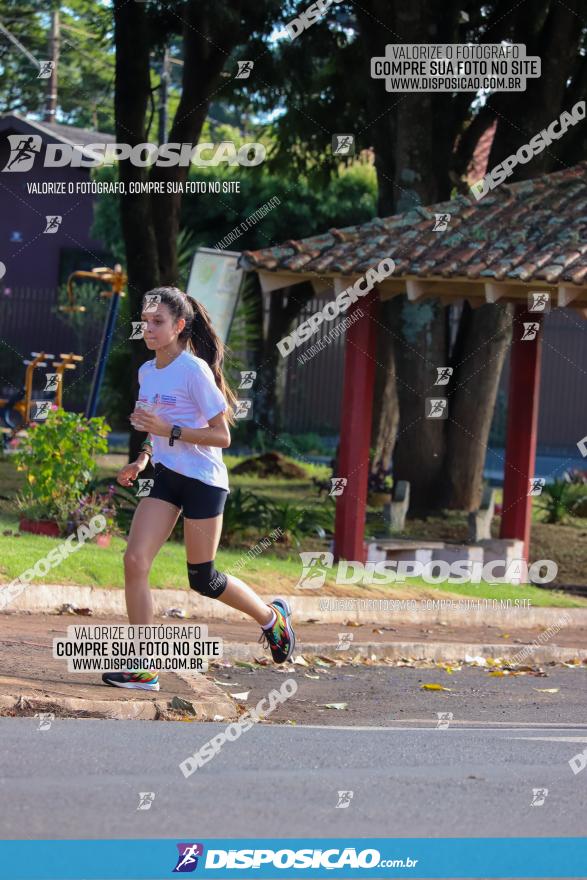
(32, 681)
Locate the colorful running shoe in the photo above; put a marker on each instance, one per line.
(141, 679)
(281, 637)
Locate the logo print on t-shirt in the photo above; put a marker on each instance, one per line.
(165, 399)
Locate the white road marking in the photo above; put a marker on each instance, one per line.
(530, 726)
(562, 739)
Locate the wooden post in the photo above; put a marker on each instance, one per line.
(355, 429)
(522, 429)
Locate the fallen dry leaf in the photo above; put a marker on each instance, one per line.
(433, 687)
(315, 677)
(476, 661)
(448, 668)
(352, 623)
(300, 660)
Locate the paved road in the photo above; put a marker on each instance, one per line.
(82, 779)
(387, 696)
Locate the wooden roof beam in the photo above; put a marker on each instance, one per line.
(566, 295)
(276, 280)
(414, 289)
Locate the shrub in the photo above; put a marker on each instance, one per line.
(59, 458)
(246, 512)
(559, 499)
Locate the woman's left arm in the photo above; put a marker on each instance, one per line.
(216, 434)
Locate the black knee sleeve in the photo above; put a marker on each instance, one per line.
(204, 579)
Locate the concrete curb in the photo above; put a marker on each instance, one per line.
(48, 598)
(120, 710)
(436, 651)
(208, 702)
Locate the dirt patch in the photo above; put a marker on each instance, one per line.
(270, 464)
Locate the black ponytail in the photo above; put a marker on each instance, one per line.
(198, 336)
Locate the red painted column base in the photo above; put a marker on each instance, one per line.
(355, 429)
(522, 429)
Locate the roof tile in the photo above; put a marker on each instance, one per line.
(531, 230)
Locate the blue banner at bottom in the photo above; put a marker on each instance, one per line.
(226, 858)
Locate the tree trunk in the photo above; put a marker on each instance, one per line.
(477, 360)
(283, 307)
(130, 104)
(419, 451)
(413, 141)
(204, 55)
(150, 223)
(385, 421)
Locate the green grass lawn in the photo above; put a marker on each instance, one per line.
(103, 567)
(275, 569)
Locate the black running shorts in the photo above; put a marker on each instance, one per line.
(198, 500)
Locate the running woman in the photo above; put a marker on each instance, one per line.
(185, 406)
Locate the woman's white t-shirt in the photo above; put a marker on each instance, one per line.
(185, 393)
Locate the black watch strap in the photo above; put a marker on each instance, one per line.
(175, 434)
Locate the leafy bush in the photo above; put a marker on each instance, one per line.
(59, 458)
(243, 510)
(559, 499)
(93, 504)
(297, 520)
(246, 512)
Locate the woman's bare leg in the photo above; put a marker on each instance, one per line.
(151, 526)
(201, 542)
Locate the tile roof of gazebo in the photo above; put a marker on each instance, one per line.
(531, 234)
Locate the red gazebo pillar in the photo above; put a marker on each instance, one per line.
(355, 429)
(522, 428)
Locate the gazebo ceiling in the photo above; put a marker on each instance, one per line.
(528, 236)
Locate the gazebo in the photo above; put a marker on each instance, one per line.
(527, 237)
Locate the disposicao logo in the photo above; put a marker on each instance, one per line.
(187, 859)
(24, 149)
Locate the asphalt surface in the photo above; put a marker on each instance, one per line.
(83, 779)
(390, 696)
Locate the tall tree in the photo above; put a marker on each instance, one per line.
(210, 32)
(85, 61)
(423, 144)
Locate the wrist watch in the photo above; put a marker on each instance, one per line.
(175, 434)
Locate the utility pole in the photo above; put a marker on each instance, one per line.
(51, 102)
(163, 97)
